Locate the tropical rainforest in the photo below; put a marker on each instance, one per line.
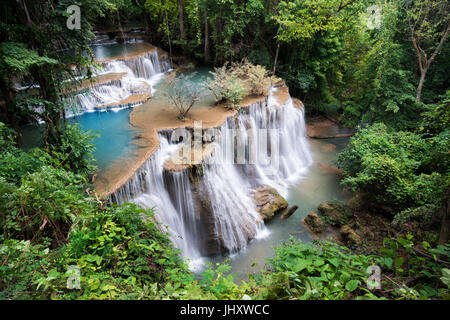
(378, 67)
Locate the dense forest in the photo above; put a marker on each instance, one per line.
(378, 67)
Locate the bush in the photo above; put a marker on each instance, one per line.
(46, 204)
(231, 83)
(393, 167)
(322, 271)
(119, 255)
(182, 93)
(75, 150)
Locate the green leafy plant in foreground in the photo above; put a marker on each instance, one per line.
(321, 271)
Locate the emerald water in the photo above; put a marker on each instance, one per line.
(115, 135)
(115, 49)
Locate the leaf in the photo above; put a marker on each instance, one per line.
(388, 262)
(398, 262)
(351, 285)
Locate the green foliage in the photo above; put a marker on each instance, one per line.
(436, 117)
(14, 163)
(402, 259)
(120, 256)
(303, 19)
(231, 83)
(75, 149)
(15, 58)
(47, 202)
(322, 271)
(390, 166)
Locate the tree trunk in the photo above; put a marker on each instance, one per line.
(206, 50)
(181, 21)
(168, 33)
(276, 58)
(444, 235)
(421, 81)
(147, 27)
(8, 109)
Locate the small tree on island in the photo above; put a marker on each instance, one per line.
(182, 93)
(232, 82)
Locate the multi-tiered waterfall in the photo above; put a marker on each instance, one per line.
(122, 79)
(208, 208)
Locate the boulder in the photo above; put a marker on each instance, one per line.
(314, 222)
(268, 202)
(333, 212)
(288, 212)
(350, 236)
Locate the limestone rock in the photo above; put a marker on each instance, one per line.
(314, 222)
(333, 212)
(268, 202)
(349, 235)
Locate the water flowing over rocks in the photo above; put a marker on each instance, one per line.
(123, 81)
(208, 205)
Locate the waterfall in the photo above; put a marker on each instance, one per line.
(139, 76)
(229, 219)
(170, 197)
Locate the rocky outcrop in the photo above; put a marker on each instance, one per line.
(268, 202)
(350, 236)
(333, 212)
(314, 222)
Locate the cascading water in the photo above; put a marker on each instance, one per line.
(139, 76)
(231, 218)
(170, 197)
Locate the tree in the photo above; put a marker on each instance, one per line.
(182, 93)
(300, 19)
(16, 61)
(429, 25)
(41, 28)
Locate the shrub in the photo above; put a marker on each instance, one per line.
(390, 166)
(75, 150)
(46, 204)
(232, 82)
(322, 271)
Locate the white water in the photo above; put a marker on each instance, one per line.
(142, 73)
(233, 219)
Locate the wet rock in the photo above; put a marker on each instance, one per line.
(268, 202)
(332, 212)
(289, 212)
(350, 236)
(314, 222)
